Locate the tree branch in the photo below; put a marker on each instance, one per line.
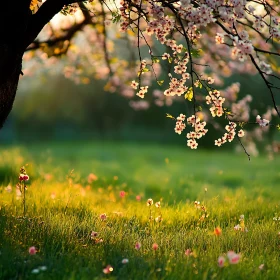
(45, 13)
(68, 33)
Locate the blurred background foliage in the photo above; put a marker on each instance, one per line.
(51, 107)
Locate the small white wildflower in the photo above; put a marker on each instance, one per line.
(125, 261)
(35, 271)
(43, 268)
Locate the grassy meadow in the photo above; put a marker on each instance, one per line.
(87, 213)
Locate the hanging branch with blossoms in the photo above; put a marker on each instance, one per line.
(196, 42)
(180, 25)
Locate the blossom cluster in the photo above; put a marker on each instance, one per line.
(198, 132)
(242, 47)
(142, 91)
(180, 125)
(199, 16)
(177, 86)
(230, 134)
(216, 101)
(261, 122)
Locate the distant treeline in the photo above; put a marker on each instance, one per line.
(62, 110)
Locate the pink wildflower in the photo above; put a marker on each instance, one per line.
(137, 245)
(241, 133)
(138, 197)
(103, 216)
(188, 252)
(93, 234)
(23, 177)
(122, 194)
(221, 261)
(261, 122)
(91, 177)
(32, 250)
(233, 257)
(155, 246)
(108, 269)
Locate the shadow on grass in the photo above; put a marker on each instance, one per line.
(71, 255)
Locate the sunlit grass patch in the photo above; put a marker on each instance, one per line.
(86, 216)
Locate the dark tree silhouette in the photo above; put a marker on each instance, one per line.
(19, 28)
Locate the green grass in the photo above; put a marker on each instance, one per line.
(63, 208)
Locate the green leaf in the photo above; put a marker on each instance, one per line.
(241, 124)
(170, 116)
(155, 60)
(189, 94)
(160, 83)
(196, 53)
(116, 17)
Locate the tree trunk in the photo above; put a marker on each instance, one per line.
(18, 29)
(14, 18)
(10, 69)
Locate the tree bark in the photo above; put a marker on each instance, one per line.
(18, 29)
(14, 19)
(10, 69)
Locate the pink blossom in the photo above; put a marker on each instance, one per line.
(108, 269)
(122, 194)
(125, 261)
(230, 254)
(23, 177)
(32, 250)
(221, 261)
(91, 177)
(188, 252)
(261, 122)
(219, 38)
(241, 133)
(138, 197)
(233, 257)
(103, 216)
(137, 245)
(134, 84)
(155, 246)
(93, 234)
